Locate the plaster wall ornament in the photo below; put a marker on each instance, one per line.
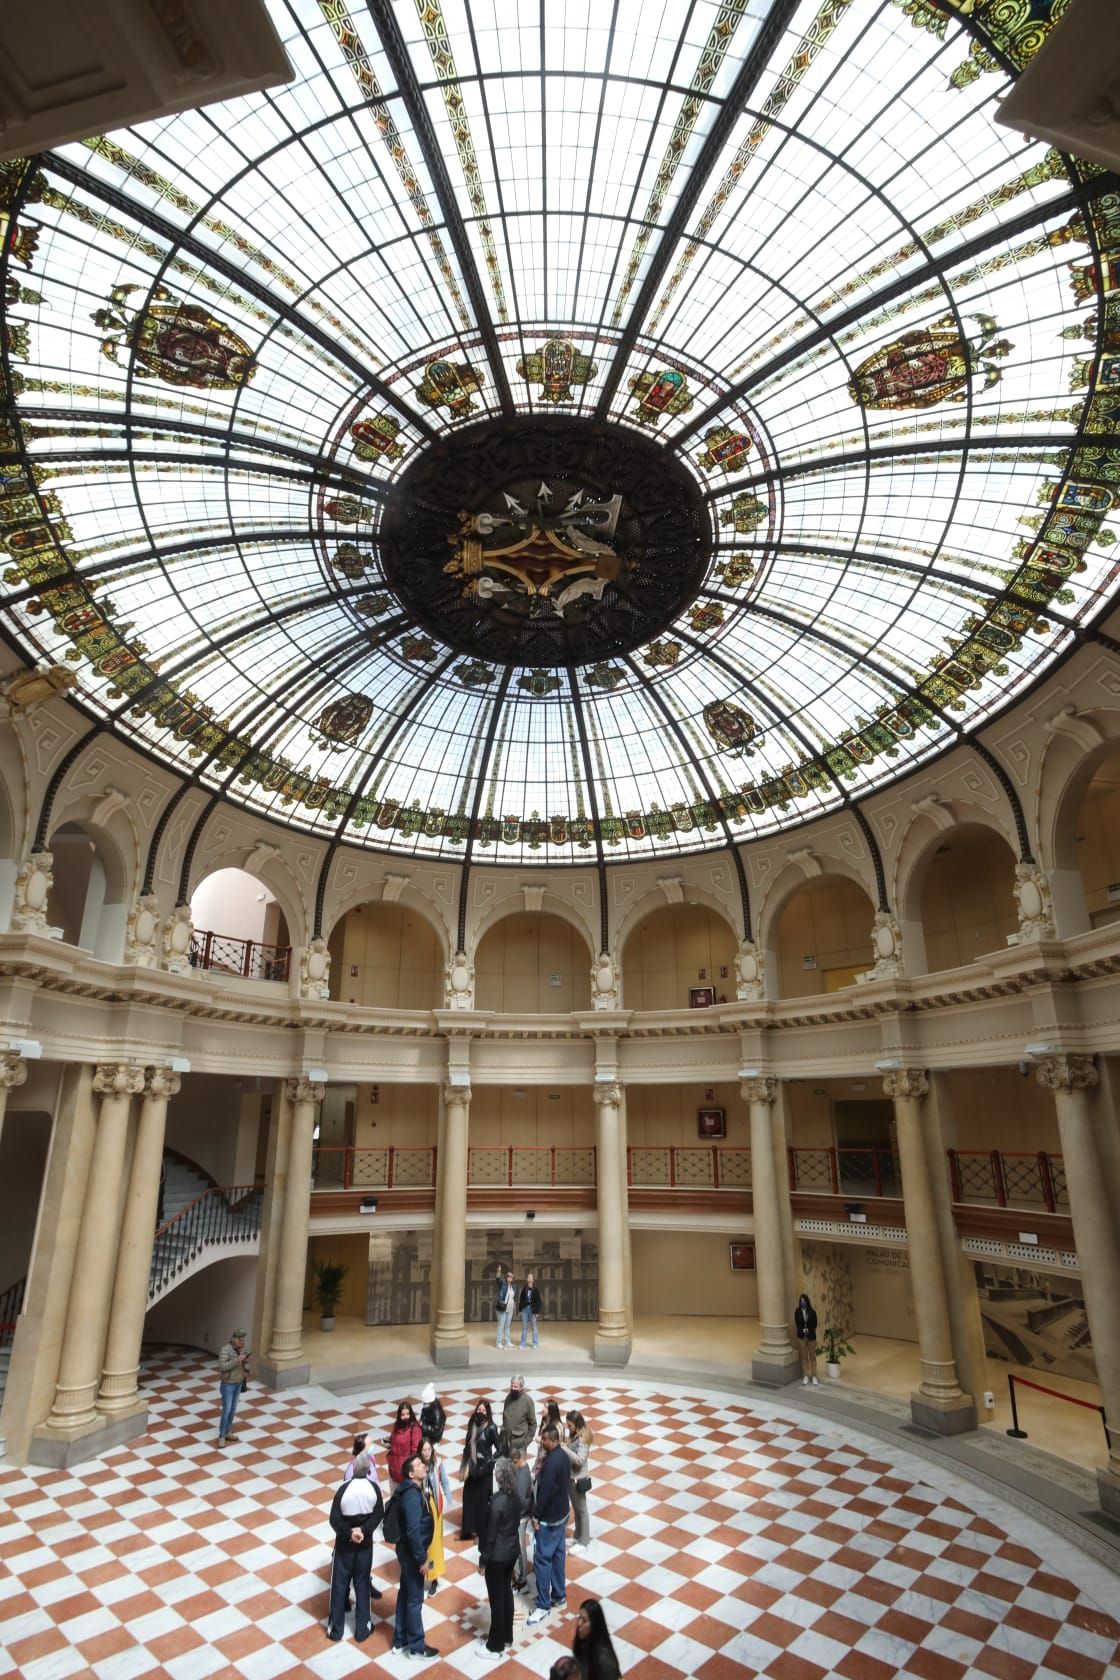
(303, 1090)
(13, 1070)
(177, 932)
(604, 982)
(29, 906)
(938, 810)
(315, 969)
(1068, 1073)
(263, 852)
(27, 689)
(760, 1088)
(460, 982)
(534, 897)
(807, 861)
(1035, 902)
(393, 888)
(141, 932)
(111, 801)
(903, 1083)
(673, 888)
(750, 973)
(886, 948)
(1084, 732)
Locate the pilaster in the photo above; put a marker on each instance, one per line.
(284, 1365)
(776, 1361)
(612, 1343)
(450, 1346)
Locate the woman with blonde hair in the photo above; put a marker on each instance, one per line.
(578, 1448)
(438, 1489)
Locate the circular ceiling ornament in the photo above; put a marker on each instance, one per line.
(545, 541)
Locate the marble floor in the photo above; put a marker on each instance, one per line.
(732, 1537)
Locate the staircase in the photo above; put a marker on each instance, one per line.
(202, 1222)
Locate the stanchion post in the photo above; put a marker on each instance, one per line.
(1017, 1433)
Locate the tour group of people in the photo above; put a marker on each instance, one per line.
(523, 1480)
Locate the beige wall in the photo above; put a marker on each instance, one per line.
(882, 1300)
(403, 1115)
(396, 956)
(347, 1250)
(689, 1272)
(828, 919)
(1098, 840)
(205, 1122)
(661, 1115)
(521, 956)
(235, 903)
(673, 949)
(24, 1143)
(968, 900)
(557, 1116)
(997, 1108)
(203, 1311)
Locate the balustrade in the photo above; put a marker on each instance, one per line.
(1009, 1178)
(846, 1171)
(533, 1167)
(221, 953)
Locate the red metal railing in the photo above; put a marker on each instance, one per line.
(848, 1171)
(346, 1168)
(1009, 1178)
(248, 958)
(532, 1167)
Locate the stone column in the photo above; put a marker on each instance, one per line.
(119, 1390)
(776, 1361)
(272, 1209)
(1096, 1233)
(285, 1352)
(450, 1345)
(13, 1072)
(612, 1335)
(437, 1216)
(966, 1327)
(627, 1247)
(87, 1311)
(938, 1403)
(791, 1253)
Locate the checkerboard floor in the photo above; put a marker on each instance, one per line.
(728, 1540)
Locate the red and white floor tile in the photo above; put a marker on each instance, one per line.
(729, 1539)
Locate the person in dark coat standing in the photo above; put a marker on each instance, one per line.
(529, 1305)
(497, 1554)
(805, 1324)
(592, 1646)
(477, 1469)
(432, 1416)
(417, 1528)
(355, 1514)
(553, 1507)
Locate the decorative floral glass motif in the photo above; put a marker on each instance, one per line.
(179, 342)
(450, 385)
(929, 366)
(375, 438)
(661, 393)
(559, 367)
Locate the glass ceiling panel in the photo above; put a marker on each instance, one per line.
(861, 319)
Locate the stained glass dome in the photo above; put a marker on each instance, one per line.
(547, 431)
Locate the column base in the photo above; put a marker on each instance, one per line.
(611, 1350)
(58, 1449)
(773, 1371)
(280, 1376)
(1108, 1491)
(450, 1356)
(943, 1417)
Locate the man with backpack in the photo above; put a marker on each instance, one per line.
(355, 1514)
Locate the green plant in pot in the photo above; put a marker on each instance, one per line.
(835, 1348)
(328, 1287)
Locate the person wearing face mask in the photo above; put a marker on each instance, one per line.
(403, 1443)
(477, 1469)
(805, 1324)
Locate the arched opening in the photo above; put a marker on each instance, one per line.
(87, 898)
(239, 927)
(1097, 839)
(822, 937)
(675, 950)
(532, 962)
(967, 896)
(386, 956)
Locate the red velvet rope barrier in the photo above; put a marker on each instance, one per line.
(1073, 1400)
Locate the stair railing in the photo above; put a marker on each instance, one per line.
(220, 1216)
(11, 1305)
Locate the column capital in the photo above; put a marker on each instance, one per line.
(1067, 1073)
(304, 1090)
(13, 1070)
(161, 1082)
(606, 1093)
(118, 1079)
(759, 1088)
(457, 1094)
(905, 1082)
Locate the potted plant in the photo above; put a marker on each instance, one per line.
(328, 1287)
(834, 1348)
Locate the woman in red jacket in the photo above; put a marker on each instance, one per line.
(403, 1443)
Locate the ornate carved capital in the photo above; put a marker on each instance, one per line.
(1068, 1073)
(118, 1079)
(457, 1094)
(13, 1070)
(161, 1082)
(763, 1088)
(905, 1082)
(606, 1093)
(304, 1090)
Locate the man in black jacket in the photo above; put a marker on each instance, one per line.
(417, 1528)
(553, 1507)
(529, 1306)
(355, 1514)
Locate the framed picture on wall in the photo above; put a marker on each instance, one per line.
(742, 1256)
(711, 1123)
(701, 997)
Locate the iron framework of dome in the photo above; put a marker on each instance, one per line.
(779, 250)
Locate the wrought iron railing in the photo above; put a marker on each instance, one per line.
(341, 1168)
(847, 1171)
(11, 1305)
(1009, 1178)
(221, 953)
(218, 1217)
(533, 1167)
(708, 1168)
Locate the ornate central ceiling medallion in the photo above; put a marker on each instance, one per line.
(546, 542)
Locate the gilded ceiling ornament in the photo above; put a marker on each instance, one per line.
(731, 728)
(175, 341)
(604, 675)
(475, 673)
(418, 650)
(659, 393)
(706, 615)
(449, 385)
(347, 562)
(726, 449)
(745, 514)
(929, 366)
(539, 683)
(375, 438)
(341, 723)
(372, 606)
(558, 365)
(662, 653)
(539, 559)
(345, 510)
(736, 570)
